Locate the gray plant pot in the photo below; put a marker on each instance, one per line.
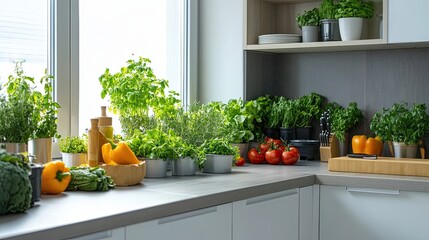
(15, 147)
(218, 163)
(183, 167)
(156, 168)
(41, 149)
(243, 148)
(330, 30)
(310, 33)
(403, 150)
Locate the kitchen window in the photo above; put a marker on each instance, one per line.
(112, 32)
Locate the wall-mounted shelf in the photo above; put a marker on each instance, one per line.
(279, 17)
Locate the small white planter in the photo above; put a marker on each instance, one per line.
(350, 28)
(218, 163)
(156, 168)
(74, 159)
(310, 33)
(403, 150)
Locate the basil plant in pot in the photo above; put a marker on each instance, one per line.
(309, 22)
(308, 107)
(220, 155)
(351, 15)
(74, 150)
(403, 125)
(135, 93)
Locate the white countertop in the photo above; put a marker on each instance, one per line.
(76, 213)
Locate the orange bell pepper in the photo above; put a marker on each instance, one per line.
(362, 144)
(55, 177)
(120, 153)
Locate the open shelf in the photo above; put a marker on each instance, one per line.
(279, 17)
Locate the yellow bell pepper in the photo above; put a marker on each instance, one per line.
(55, 177)
(120, 153)
(362, 144)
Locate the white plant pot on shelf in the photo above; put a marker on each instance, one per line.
(403, 150)
(350, 28)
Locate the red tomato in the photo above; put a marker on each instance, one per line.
(255, 157)
(290, 155)
(264, 147)
(276, 142)
(273, 156)
(239, 161)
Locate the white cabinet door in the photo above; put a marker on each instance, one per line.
(372, 214)
(213, 223)
(113, 234)
(273, 216)
(408, 21)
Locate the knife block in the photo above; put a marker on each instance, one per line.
(331, 151)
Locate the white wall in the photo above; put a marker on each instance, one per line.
(220, 52)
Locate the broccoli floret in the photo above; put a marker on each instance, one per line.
(15, 189)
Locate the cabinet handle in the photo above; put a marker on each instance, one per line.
(187, 215)
(271, 196)
(95, 236)
(370, 190)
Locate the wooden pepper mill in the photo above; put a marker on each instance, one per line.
(105, 131)
(93, 146)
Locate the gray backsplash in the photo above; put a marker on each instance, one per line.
(373, 79)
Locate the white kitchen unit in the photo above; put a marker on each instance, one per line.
(272, 216)
(213, 223)
(309, 212)
(372, 214)
(114, 234)
(408, 21)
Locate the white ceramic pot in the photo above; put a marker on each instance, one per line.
(218, 163)
(350, 28)
(74, 159)
(403, 150)
(310, 33)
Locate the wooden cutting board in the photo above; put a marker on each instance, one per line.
(382, 165)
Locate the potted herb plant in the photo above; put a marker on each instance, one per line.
(134, 92)
(307, 107)
(271, 128)
(17, 107)
(74, 150)
(155, 148)
(309, 22)
(258, 109)
(341, 121)
(403, 125)
(188, 158)
(350, 14)
(288, 115)
(220, 155)
(45, 117)
(328, 22)
(238, 124)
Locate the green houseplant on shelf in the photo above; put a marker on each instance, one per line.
(220, 155)
(403, 125)
(330, 30)
(74, 150)
(350, 14)
(309, 22)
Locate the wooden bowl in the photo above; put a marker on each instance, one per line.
(126, 175)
